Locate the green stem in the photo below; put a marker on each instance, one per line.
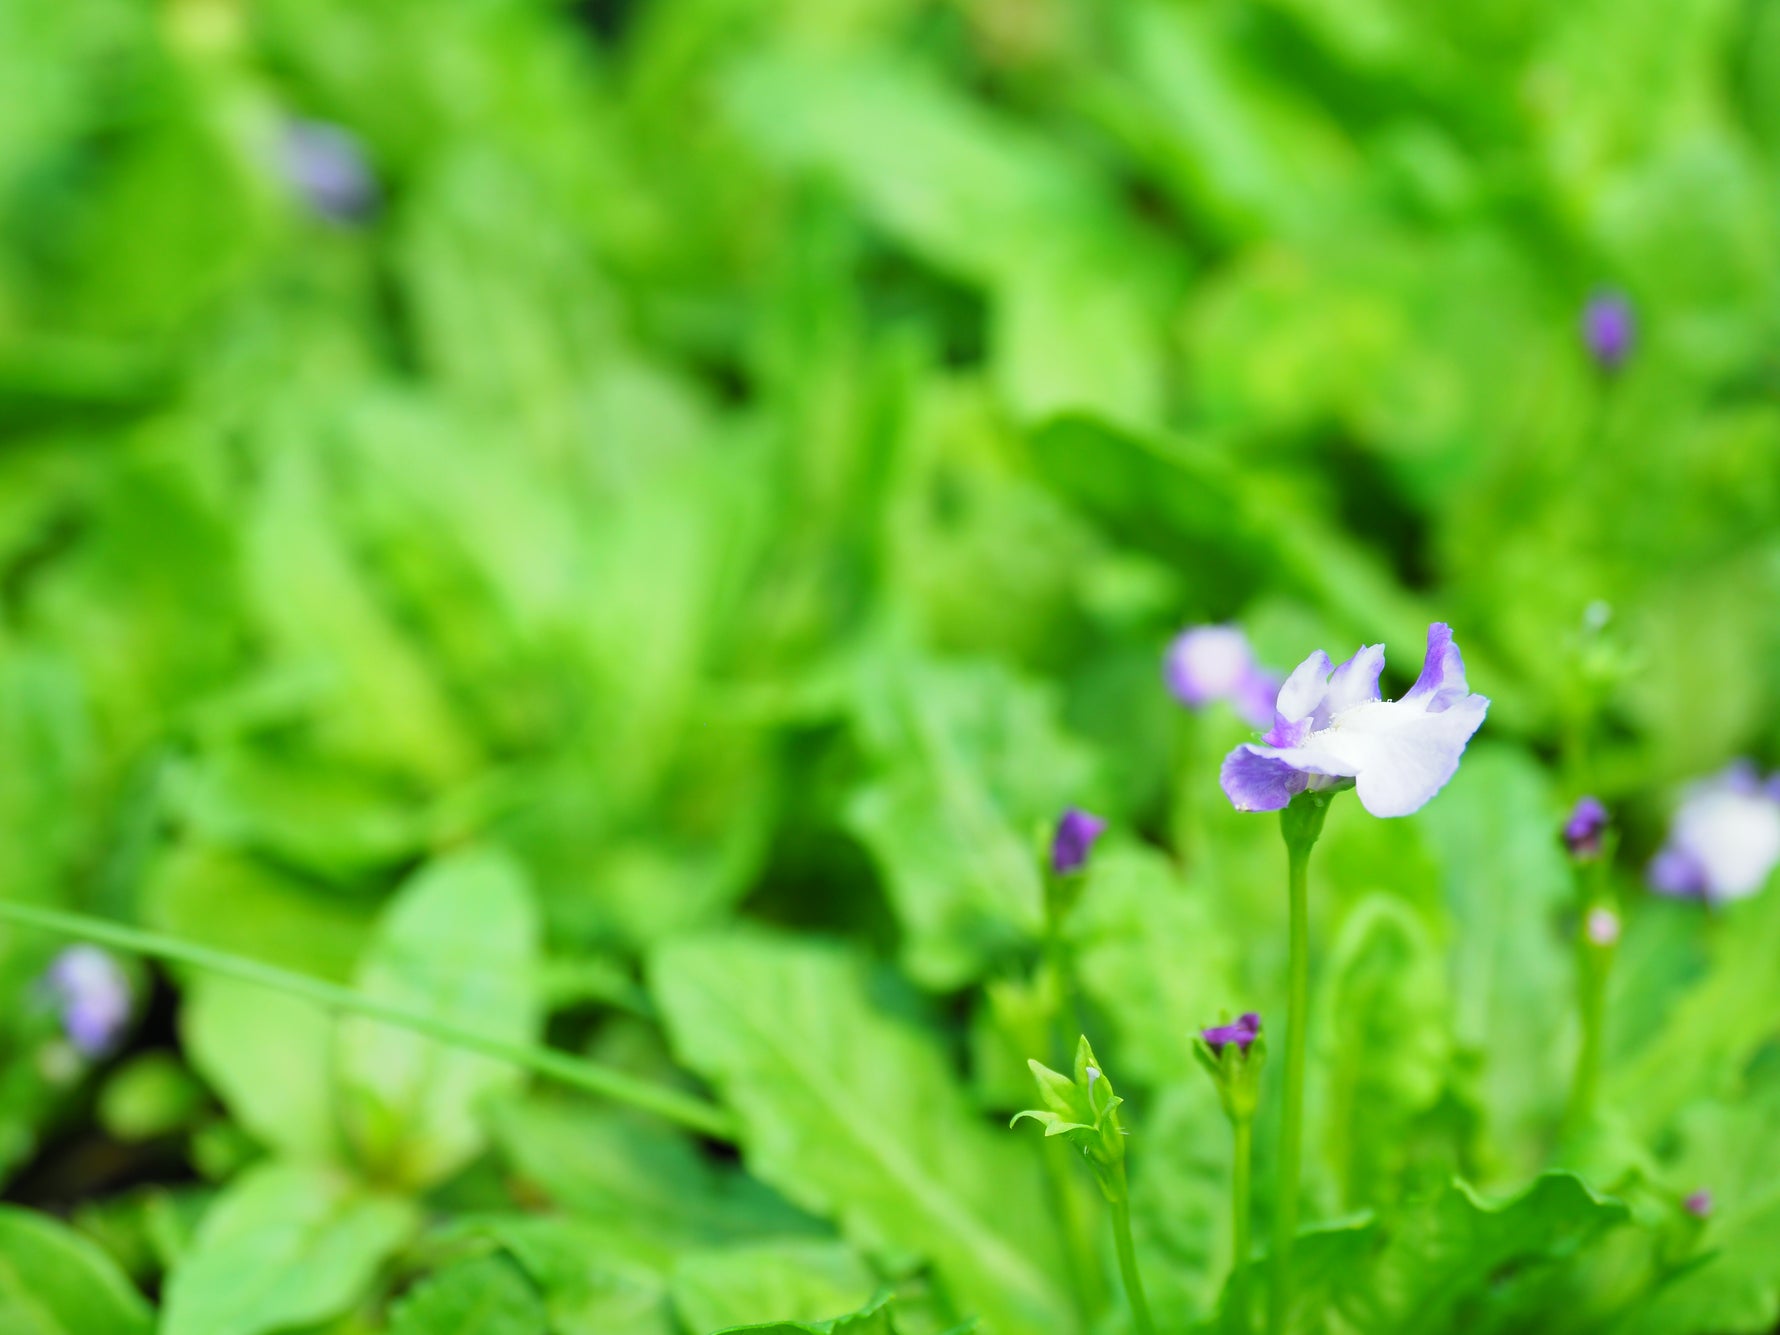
(1301, 823)
(1243, 1128)
(1121, 1219)
(693, 1113)
(1594, 962)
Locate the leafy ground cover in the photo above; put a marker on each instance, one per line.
(560, 566)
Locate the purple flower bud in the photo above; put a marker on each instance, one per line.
(1076, 833)
(1583, 831)
(1241, 1032)
(1209, 663)
(94, 997)
(1608, 329)
(1699, 1203)
(1724, 841)
(327, 167)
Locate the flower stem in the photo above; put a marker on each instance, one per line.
(1594, 962)
(620, 1086)
(1301, 822)
(1243, 1129)
(1120, 1201)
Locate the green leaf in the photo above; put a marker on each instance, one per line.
(596, 1278)
(872, 1319)
(1507, 885)
(488, 1295)
(1731, 1151)
(284, 1245)
(970, 761)
(460, 942)
(55, 1282)
(856, 1116)
(801, 1280)
(636, 1173)
(1383, 1052)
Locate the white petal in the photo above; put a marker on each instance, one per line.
(1400, 754)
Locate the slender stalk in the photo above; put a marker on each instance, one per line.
(621, 1087)
(1594, 962)
(1301, 823)
(1121, 1221)
(1243, 1129)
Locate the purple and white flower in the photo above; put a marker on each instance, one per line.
(94, 998)
(1205, 664)
(1608, 329)
(1331, 730)
(1725, 839)
(1074, 840)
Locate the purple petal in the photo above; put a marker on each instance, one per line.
(328, 168)
(1255, 780)
(1677, 873)
(1256, 698)
(1074, 840)
(94, 996)
(1208, 663)
(1242, 1032)
(1442, 680)
(1608, 328)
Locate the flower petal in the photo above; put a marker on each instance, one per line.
(1254, 778)
(1401, 754)
(1208, 663)
(1442, 681)
(1305, 688)
(1355, 682)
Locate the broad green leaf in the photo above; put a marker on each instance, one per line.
(488, 1295)
(1714, 1028)
(284, 1245)
(1513, 993)
(1153, 957)
(855, 1115)
(636, 1173)
(1383, 1053)
(268, 1056)
(1731, 1151)
(1457, 1262)
(875, 1318)
(596, 1278)
(459, 942)
(55, 1282)
(971, 762)
(793, 1280)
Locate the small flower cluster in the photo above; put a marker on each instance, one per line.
(1725, 839)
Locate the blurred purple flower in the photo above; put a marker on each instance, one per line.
(327, 166)
(1331, 730)
(94, 997)
(1698, 1203)
(1608, 329)
(1724, 840)
(1583, 831)
(1209, 663)
(1242, 1032)
(1602, 927)
(1074, 840)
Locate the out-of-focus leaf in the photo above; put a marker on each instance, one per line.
(766, 1282)
(488, 1295)
(459, 942)
(1507, 885)
(592, 1277)
(971, 763)
(647, 1178)
(285, 1245)
(854, 1115)
(55, 1282)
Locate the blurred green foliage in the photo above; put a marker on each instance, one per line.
(747, 465)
